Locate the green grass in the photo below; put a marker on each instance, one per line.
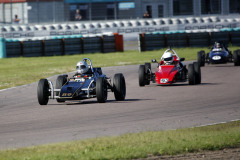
(20, 71)
(140, 145)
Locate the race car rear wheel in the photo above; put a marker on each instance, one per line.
(201, 58)
(119, 86)
(43, 92)
(101, 90)
(197, 71)
(61, 80)
(141, 75)
(147, 73)
(191, 75)
(236, 58)
(230, 57)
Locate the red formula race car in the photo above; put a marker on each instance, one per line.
(170, 69)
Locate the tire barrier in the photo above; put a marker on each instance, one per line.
(32, 48)
(154, 41)
(92, 44)
(60, 45)
(52, 47)
(220, 36)
(73, 46)
(198, 39)
(13, 48)
(108, 44)
(177, 39)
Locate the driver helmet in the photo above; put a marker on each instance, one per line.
(82, 67)
(167, 58)
(218, 45)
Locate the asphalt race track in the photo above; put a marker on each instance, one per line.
(23, 122)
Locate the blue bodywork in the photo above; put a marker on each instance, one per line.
(88, 82)
(216, 56)
(73, 89)
(81, 87)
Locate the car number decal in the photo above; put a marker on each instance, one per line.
(66, 94)
(216, 57)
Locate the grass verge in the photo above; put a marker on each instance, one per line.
(20, 71)
(140, 145)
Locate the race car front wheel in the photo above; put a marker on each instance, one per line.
(197, 71)
(191, 74)
(148, 73)
(141, 75)
(201, 58)
(101, 90)
(236, 58)
(43, 92)
(119, 86)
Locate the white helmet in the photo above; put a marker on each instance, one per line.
(218, 45)
(167, 58)
(82, 67)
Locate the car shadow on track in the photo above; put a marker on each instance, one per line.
(186, 84)
(226, 66)
(128, 100)
(96, 102)
(209, 84)
(222, 65)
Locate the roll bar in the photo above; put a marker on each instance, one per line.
(87, 59)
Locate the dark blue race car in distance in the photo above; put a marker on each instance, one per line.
(219, 54)
(93, 84)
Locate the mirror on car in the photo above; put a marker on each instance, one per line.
(154, 61)
(182, 59)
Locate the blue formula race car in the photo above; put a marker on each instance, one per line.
(87, 83)
(219, 54)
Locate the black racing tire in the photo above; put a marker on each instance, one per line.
(207, 58)
(197, 71)
(236, 58)
(230, 57)
(191, 74)
(101, 90)
(141, 75)
(61, 80)
(201, 58)
(238, 53)
(148, 73)
(119, 86)
(184, 73)
(43, 92)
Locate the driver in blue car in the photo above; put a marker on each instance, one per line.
(82, 68)
(218, 45)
